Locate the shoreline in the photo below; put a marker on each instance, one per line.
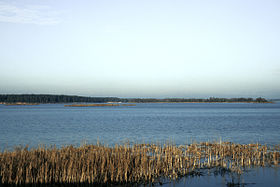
(208, 102)
(19, 103)
(120, 104)
(49, 98)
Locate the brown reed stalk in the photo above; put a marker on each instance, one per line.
(138, 163)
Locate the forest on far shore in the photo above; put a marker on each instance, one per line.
(47, 98)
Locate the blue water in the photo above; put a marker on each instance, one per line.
(154, 122)
(178, 122)
(254, 177)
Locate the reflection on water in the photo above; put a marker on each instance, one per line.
(253, 177)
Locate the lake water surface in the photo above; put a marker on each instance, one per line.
(149, 122)
(154, 122)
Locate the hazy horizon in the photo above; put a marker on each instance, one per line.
(148, 49)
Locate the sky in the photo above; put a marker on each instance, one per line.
(141, 48)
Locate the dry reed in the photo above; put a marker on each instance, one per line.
(122, 164)
(128, 104)
(90, 105)
(94, 105)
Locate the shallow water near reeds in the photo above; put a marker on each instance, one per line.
(253, 177)
(182, 123)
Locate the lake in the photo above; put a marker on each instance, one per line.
(180, 123)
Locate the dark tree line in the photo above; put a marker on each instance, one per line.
(34, 98)
(42, 98)
(211, 99)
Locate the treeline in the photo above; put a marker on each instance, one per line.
(195, 100)
(42, 98)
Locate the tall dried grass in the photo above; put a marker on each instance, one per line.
(138, 163)
(90, 105)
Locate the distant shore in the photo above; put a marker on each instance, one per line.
(34, 99)
(19, 103)
(209, 102)
(117, 104)
(98, 105)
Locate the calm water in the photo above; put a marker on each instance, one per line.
(179, 122)
(254, 177)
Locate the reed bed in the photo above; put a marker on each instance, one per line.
(90, 105)
(97, 105)
(128, 104)
(128, 164)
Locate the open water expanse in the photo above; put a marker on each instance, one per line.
(149, 122)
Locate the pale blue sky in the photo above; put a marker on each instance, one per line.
(141, 48)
